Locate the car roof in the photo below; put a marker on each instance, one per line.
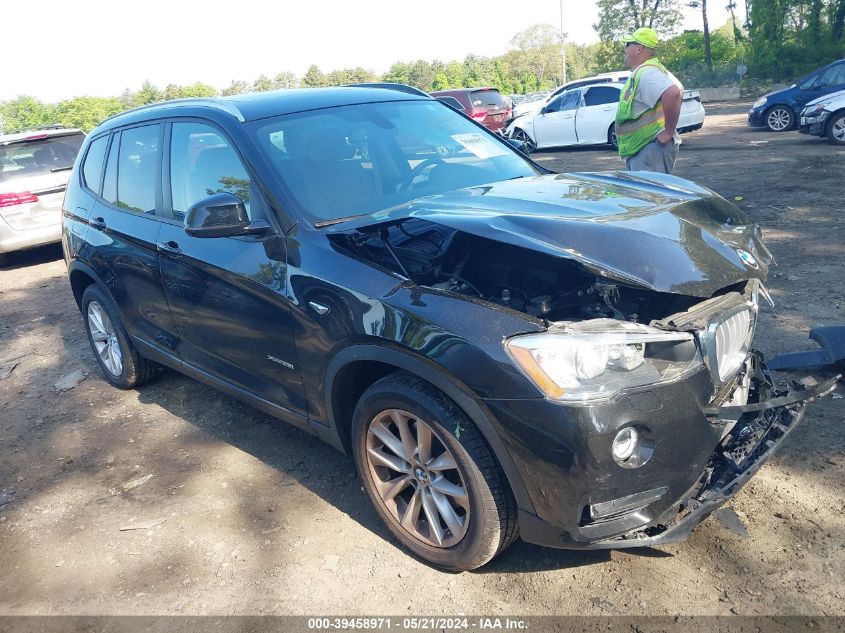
(461, 91)
(260, 105)
(36, 134)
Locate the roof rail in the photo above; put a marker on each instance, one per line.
(390, 86)
(218, 104)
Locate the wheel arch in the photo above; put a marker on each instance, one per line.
(357, 367)
(833, 116)
(81, 276)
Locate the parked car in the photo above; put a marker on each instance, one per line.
(503, 350)
(587, 116)
(778, 111)
(487, 106)
(825, 116)
(533, 107)
(34, 168)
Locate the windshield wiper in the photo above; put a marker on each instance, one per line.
(55, 169)
(348, 218)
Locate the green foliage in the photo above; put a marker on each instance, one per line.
(26, 112)
(86, 113)
(619, 17)
(314, 78)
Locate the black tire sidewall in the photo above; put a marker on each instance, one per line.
(836, 117)
(126, 379)
(463, 555)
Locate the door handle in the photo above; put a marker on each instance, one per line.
(170, 247)
(98, 223)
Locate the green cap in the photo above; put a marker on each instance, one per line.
(645, 36)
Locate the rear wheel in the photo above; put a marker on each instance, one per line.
(780, 118)
(117, 357)
(521, 135)
(836, 129)
(430, 474)
(611, 136)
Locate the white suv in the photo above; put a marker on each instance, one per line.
(34, 169)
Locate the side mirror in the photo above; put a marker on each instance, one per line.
(222, 215)
(544, 109)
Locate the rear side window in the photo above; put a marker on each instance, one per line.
(202, 163)
(486, 98)
(137, 163)
(601, 95)
(451, 102)
(92, 168)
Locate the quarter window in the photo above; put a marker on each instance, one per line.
(137, 163)
(203, 163)
(92, 168)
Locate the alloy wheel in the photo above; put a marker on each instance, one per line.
(779, 119)
(417, 478)
(104, 337)
(521, 135)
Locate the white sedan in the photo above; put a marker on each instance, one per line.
(586, 116)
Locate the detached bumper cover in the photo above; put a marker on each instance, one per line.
(760, 430)
(754, 432)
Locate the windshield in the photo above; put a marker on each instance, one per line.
(360, 159)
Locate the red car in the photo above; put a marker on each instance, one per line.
(484, 105)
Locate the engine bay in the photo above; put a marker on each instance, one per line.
(530, 282)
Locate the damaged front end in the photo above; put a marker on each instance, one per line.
(752, 434)
(648, 422)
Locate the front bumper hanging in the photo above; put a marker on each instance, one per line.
(756, 431)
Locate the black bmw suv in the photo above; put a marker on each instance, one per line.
(504, 351)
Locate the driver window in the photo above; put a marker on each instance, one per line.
(566, 101)
(202, 163)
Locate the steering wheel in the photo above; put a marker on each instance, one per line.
(428, 163)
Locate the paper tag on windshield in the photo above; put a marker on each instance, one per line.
(479, 145)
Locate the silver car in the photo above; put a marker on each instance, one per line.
(34, 169)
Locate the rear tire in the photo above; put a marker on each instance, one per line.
(611, 136)
(117, 357)
(430, 474)
(836, 129)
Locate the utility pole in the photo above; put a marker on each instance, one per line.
(562, 42)
(695, 4)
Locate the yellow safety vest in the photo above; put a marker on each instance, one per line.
(634, 133)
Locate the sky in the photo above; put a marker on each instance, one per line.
(101, 47)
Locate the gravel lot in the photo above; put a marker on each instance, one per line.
(246, 515)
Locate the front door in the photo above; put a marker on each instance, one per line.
(554, 126)
(227, 295)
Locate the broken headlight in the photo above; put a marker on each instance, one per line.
(594, 360)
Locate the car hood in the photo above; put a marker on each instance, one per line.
(641, 228)
(828, 97)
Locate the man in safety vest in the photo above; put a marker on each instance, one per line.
(649, 107)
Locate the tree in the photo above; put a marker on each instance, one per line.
(314, 77)
(86, 113)
(285, 80)
(237, 87)
(398, 73)
(619, 17)
(708, 59)
(26, 112)
(540, 45)
(262, 84)
(147, 94)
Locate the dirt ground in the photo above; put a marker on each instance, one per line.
(250, 516)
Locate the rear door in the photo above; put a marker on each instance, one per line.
(227, 295)
(123, 228)
(555, 126)
(596, 114)
(33, 177)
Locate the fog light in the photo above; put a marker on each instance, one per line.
(625, 443)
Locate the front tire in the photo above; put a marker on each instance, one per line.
(117, 357)
(836, 129)
(780, 118)
(430, 474)
(521, 135)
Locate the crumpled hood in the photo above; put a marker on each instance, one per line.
(642, 228)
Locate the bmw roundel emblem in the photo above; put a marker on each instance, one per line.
(747, 258)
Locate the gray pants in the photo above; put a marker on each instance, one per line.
(654, 157)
